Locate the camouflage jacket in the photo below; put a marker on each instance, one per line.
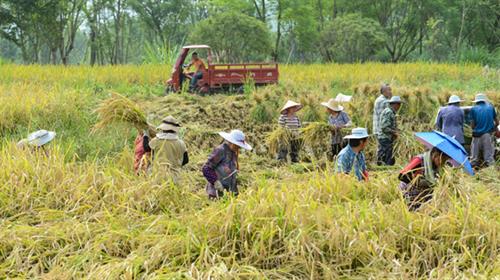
(388, 124)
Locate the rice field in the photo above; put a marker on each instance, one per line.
(82, 213)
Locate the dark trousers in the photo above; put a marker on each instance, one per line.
(335, 150)
(293, 149)
(385, 152)
(196, 76)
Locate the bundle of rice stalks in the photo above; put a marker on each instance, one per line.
(119, 109)
(277, 138)
(316, 136)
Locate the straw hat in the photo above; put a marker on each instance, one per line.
(39, 138)
(358, 133)
(480, 97)
(333, 104)
(454, 99)
(395, 99)
(236, 137)
(169, 123)
(290, 104)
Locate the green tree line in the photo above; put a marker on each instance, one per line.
(99, 32)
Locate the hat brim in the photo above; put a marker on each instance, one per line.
(228, 138)
(357, 136)
(336, 109)
(294, 106)
(458, 101)
(480, 100)
(43, 140)
(166, 127)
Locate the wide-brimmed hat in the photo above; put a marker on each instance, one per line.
(290, 104)
(333, 105)
(395, 99)
(169, 123)
(358, 133)
(40, 137)
(480, 97)
(454, 99)
(236, 137)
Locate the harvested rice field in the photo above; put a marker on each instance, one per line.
(79, 210)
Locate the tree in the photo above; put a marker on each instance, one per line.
(352, 38)
(233, 37)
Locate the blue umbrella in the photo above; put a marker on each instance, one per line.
(447, 145)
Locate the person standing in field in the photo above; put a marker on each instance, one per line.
(450, 119)
(289, 120)
(484, 125)
(169, 152)
(389, 132)
(222, 165)
(379, 106)
(352, 159)
(37, 141)
(419, 177)
(337, 119)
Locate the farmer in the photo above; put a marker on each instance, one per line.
(37, 140)
(419, 177)
(388, 132)
(199, 68)
(289, 120)
(352, 158)
(484, 125)
(222, 166)
(337, 119)
(142, 151)
(380, 104)
(450, 119)
(169, 152)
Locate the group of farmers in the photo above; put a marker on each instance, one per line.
(162, 151)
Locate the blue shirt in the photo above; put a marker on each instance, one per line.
(483, 117)
(450, 121)
(348, 160)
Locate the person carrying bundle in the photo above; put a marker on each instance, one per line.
(337, 119)
(169, 152)
(351, 159)
(289, 120)
(221, 168)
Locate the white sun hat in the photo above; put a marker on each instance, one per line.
(343, 98)
(236, 137)
(480, 97)
(395, 99)
(169, 123)
(333, 105)
(40, 137)
(291, 104)
(358, 133)
(454, 99)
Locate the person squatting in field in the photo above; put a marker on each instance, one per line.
(337, 119)
(419, 177)
(484, 126)
(289, 120)
(169, 152)
(388, 132)
(352, 159)
(37, 141)
(450, 119)
(221, 168)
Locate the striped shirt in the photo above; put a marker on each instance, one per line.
(292, 123)
(380, 104)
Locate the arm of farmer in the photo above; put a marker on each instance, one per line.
(364, 169)
(407, 174)
(387, 123)
(145, 142)
(347, 120)
(439, 121)
(209, 167)
(185, 158)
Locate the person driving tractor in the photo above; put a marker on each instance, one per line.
(197, 74)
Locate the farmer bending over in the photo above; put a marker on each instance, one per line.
(352, 159)
(289, 120)
(222, 166)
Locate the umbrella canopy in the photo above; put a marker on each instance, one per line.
(447, 145)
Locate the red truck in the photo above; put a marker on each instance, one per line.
(222, 77)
